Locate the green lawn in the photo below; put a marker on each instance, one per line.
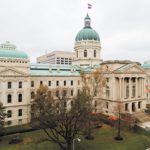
(103, 141)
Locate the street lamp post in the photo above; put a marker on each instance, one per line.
(74, 142)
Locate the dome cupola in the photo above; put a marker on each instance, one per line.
(87, 46)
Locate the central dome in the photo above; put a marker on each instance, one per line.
(87, 33)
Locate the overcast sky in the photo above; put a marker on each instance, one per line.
(40, 26)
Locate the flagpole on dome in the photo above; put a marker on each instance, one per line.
(89, 6)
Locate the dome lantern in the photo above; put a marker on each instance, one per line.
(87, 21)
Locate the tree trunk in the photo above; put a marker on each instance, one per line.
(69, 145)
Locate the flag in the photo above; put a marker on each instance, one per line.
(89, 6)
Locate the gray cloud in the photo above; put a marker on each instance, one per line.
(37, 26)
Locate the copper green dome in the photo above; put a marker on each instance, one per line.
(87, 33)
(8, 50)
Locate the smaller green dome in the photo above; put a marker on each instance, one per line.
(8, 50)
(12, 54)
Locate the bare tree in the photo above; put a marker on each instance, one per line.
(2, 118)
(92, 83)
(60, 124)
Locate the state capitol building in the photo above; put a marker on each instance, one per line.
(127, 81)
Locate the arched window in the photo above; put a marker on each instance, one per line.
(20, 98)
(9, 98)
(94, 53)
(85, 53)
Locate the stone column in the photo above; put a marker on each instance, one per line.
(144, 83)
(123, 88)
(130, 108)
(142, 87)
(130, 88)
(136, 87)
(120, 88)
(136, 106)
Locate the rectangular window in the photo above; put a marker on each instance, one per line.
(9, 98)
(65, 104)
(20, 112)
(32, 83)
(64, 93)
(20, 98)
(49, 83)
(9, 114)
(9, 123)
(107, 105)
(20, 85)
(65, 83)
(57, 93)
(57, 83)
(41, 82)
(19, 121)
(126, 107)
(71, 92)
(71, 82)
(9, 85)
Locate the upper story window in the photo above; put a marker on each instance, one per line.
(71, 82)
(32, 83)
(94, 53)
(85, 53)
(65, 83)
(49, 83)
(9, 98)
(20, 98)
(9, 85)
(20, 84)
(57, 83)
(41, 82)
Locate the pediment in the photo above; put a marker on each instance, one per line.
(134, 69)
(11, 72)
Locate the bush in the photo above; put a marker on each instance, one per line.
(18, 129)
(16, 139)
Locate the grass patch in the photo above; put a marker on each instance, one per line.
(103, 140)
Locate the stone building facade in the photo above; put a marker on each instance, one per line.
(127, 81)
